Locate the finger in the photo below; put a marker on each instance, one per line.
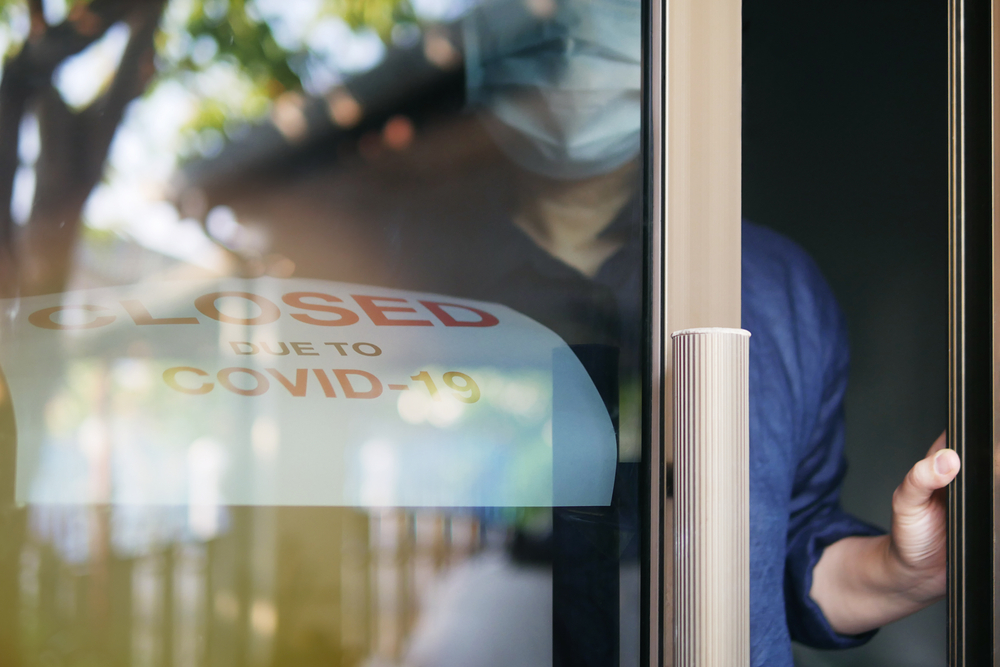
(927, 476)
(940, 443)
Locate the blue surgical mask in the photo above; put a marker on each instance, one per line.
(560, 94)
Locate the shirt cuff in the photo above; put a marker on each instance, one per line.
(806, 622)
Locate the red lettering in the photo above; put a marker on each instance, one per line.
(43, 318)
(376, 312)
(350, 392)
(170, 377)
(261, 379)
(375, 349)
(301, 378)
(304, 349)
(268, 311)
(324, 382)
(438, 309)
(346, 317)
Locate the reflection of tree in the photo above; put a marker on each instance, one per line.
(74, 142)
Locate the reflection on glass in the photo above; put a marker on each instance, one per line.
(226, 397)
(321, 334)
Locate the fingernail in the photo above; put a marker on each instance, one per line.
(942, 463)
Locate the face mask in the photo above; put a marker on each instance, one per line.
(560, 95)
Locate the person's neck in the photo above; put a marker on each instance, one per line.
(567, 218)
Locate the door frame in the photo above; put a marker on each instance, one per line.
(972, 408)
(694, 205)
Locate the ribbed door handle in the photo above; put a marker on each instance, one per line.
(711, 497)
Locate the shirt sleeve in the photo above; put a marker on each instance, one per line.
(816, 519)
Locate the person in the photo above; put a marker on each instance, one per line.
(557, 85)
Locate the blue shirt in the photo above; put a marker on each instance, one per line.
(798, 376)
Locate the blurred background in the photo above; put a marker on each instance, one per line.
(845, 151)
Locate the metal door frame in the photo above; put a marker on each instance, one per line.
(972, 554)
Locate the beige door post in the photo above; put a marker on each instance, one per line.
(701, 612)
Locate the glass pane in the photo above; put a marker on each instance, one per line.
(321, 334)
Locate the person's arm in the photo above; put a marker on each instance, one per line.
(862, 583)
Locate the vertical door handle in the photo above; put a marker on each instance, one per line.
(711, 497)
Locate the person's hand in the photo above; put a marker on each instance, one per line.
(862, 583)
(918, 539)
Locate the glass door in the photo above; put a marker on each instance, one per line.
(326, 334)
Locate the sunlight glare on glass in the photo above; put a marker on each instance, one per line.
(23, 194)
(143, 159)
(347, 51)
(289, 21)
(332, 47)
(417, 407)
(15, 29)
(165, 232)
(203, 50)
(445, 413)
(55, 11)
(379, 470)
(442, 10)
(265, 438)
(222, 225)
(29, 141)
(413, 407)
(81, 78)
(263, 618)
(174, 39)
(206, 467)
(133, 375)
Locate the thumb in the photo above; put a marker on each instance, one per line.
(934, 472)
